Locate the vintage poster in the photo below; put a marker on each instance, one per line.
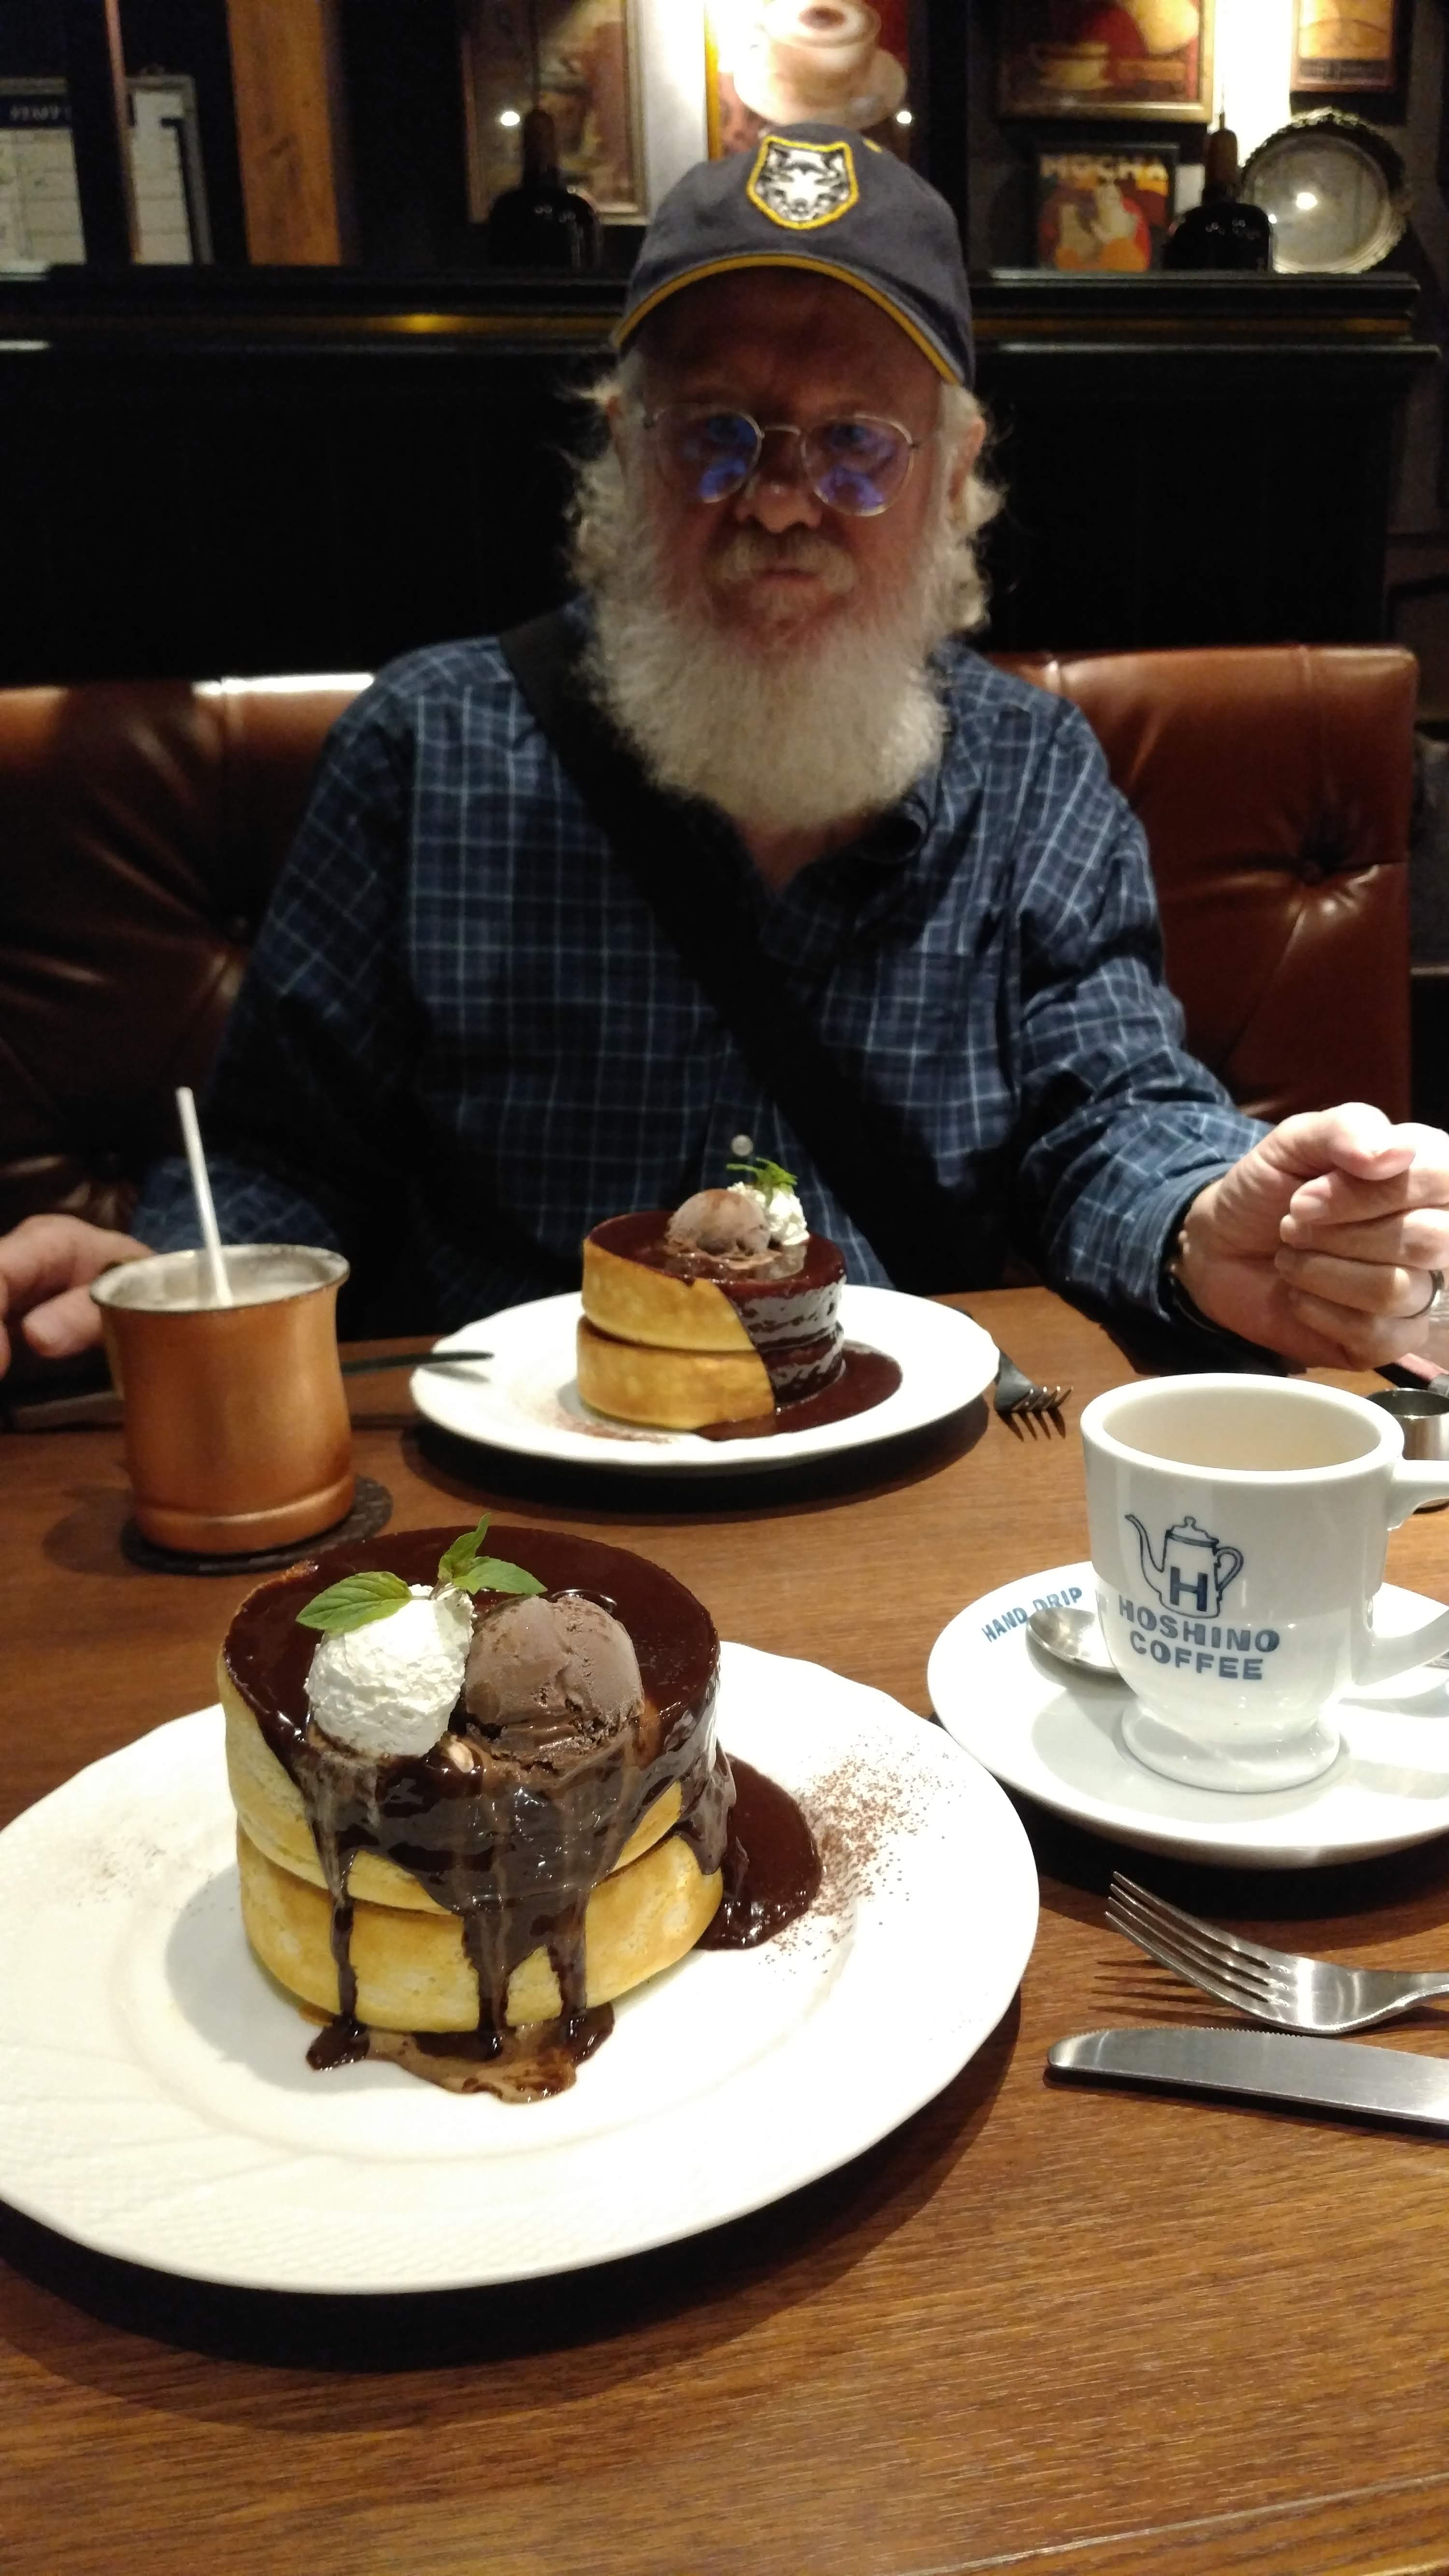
(773, 62)
(577, 58)
(1103, 214)
(1345, 45)
(1114, 58)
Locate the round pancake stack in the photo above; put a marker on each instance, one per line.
(522, 1869)
(681, 1340)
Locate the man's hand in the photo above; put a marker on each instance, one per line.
(46, 1266)
(1321, 1241)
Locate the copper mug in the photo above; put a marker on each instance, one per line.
(236, 1422)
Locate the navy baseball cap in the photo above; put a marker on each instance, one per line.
(821, 198)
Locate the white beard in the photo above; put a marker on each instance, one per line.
(781, 735)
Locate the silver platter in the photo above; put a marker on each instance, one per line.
(1336, 191)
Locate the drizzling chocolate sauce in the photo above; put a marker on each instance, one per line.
(515, 2065)
(771, 1865)
(513, 1848)
(864, 1378)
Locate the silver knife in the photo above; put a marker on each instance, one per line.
(1267, 2065)
(413, 1360)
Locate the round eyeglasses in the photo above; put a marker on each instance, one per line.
(858, 465)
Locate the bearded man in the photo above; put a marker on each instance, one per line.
(749, 843)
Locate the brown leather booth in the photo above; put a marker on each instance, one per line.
(142, 825)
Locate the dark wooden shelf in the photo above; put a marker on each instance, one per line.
(1193, 307)
(1014, 307)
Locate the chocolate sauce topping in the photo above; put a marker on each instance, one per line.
(509, 1844)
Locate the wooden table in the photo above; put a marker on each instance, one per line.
(1069, 2330)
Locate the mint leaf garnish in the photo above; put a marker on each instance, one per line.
(462, 1566)
(763, 1174)
(354, 1603)
(495, 1574)
(453, 1564)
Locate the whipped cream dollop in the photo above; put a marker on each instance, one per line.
(391, 1686)
(781, 1210)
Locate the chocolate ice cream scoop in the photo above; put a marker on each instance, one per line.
(551, 1677)
(722, 1222)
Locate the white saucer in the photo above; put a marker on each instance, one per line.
(1056, 1735)
(526, 1398)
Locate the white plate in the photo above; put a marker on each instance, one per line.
(155, 2101)
(1054, 1734)
(526, 1398)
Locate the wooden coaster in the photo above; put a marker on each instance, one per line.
(371, 1511)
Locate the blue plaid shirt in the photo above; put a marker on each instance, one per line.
(463, 1039)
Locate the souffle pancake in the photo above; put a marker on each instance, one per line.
(715, 1312)
(722, 1316)
(479, 1797)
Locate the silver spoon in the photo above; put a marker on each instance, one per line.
(1074, 1637)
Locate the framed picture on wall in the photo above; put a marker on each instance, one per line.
(581, 60)
(769, 62)
(1103, 214)
(1145, 59)
(1346, 45)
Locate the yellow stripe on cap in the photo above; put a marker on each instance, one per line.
(876, 295)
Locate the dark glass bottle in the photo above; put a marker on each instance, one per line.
(541, 223)
(1224, 231)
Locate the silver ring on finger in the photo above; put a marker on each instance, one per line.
(1436, 1304)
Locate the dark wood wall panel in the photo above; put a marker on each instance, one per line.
(292, 515)
(1253, 513)
(300, 470)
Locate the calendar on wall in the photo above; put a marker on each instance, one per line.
(40, 217)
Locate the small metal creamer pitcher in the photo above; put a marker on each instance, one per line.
(236, 1422)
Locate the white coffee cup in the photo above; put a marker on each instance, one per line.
(821, 43)
(1239, 1528)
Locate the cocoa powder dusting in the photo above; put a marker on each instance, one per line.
(860, 1819)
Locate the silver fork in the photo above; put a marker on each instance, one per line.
(1019, 1399)
(1283, 1987)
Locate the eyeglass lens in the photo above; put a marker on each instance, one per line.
(853, 465)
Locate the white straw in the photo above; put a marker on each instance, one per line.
(220, 1284)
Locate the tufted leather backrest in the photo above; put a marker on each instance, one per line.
(1274, 785)
(143, 823)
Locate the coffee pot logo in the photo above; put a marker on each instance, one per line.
(1193, 1570)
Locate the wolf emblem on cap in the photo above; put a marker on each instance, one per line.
(802, 184)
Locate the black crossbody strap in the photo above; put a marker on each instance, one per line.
(660, 840)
